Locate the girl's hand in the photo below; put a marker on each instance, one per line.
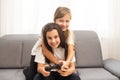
(64, 73)
(43, 72)
(68, 71)
(65, 65)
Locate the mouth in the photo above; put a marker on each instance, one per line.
(54, 45)
(63, 28)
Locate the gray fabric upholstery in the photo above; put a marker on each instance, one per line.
(113, 66)
(18, 48)
(10, 53)
(11, 74)
(95, 74)
(88, 49)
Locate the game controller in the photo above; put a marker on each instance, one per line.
(56, 66)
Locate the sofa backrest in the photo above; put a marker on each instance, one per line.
(10, 53)
(88, 49)
(15, 50)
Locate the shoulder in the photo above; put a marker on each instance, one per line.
(71, 37)
(71, 33)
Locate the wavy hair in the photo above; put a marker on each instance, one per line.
(63, 44)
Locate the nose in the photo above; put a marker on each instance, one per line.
(64, 23)
(53, 40)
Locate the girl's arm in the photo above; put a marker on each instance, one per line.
(71, 50)
(41, 69)
(70, 54)
(69, 57)
(48, 54)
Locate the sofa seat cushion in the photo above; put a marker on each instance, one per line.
(11, 74)
(95, 74)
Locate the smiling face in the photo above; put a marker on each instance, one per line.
(64, 21)
(62, 17)
(53, 38)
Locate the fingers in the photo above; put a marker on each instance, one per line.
(63, 73)
(44, 72)
(65, 65)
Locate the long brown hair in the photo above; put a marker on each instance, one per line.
(63, 44)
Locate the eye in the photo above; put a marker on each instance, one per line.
(60, 20)
(56, 36)
(49, 38)
(67, 21)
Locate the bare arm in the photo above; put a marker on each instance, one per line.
(70, 53)
(70, 47)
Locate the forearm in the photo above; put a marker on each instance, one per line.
(69, 59)
(40, 67)
(72, 67)
(50, 57)
(70, 53)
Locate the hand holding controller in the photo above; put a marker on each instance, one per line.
(56, 66)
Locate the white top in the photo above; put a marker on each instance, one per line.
(39, 43)
(58, 53)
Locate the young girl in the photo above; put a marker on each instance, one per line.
(54, 40)
(62, 17)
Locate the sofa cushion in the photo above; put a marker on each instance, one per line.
(11, 74)
(88, 49)
(18, 48)
(10, 53)
(112, 65)
(95, 74)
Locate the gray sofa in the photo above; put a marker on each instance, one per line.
(15, 53)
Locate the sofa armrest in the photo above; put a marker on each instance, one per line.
(113, 66)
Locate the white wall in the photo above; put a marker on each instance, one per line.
(0, 17)
(102, 16)
(111, 43)
(114, 25)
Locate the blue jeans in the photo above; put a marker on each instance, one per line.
(56, 76)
